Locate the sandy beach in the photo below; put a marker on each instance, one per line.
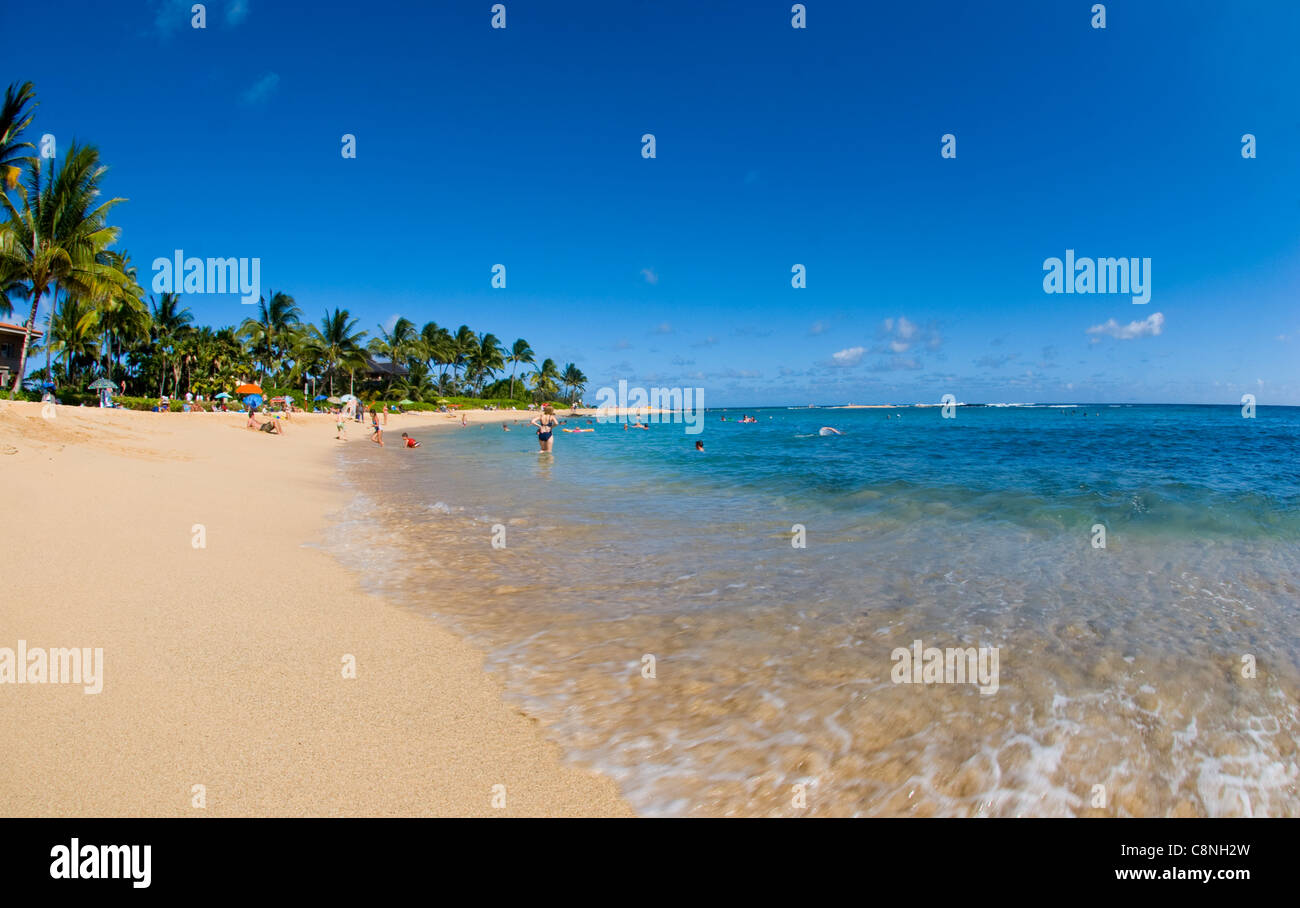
(223, 664)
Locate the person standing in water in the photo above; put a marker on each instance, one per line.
(546, 424)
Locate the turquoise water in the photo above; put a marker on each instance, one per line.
(1120, 666)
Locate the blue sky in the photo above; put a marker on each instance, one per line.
(775, 146)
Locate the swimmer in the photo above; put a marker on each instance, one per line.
(699, 446)
(546, 424)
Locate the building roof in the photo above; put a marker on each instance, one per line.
(375, 367)
(18, 329)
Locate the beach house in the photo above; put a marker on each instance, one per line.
(11, 347)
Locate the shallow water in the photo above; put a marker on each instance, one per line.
(1119, 667)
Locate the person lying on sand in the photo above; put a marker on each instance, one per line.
(410, 442)
(271, 426)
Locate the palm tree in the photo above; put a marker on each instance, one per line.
(269, 334)
(574, 380)
(121, 307)
(485, 360)
(417, 384)
(54, 240)
(463, 346)
(72, 337)
(437, 346)
(338, 343)
(519, 353)
(15, 117)
(397, 346)
(170, 323)
(544, 381)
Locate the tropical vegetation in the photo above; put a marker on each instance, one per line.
(59, 247)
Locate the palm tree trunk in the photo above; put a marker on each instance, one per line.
(49, 323)
(27, 339)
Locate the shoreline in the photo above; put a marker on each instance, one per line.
(189, 549)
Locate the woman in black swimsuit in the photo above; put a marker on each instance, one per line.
(546, 424)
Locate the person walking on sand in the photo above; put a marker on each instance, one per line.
(546, 424)
(376, 430)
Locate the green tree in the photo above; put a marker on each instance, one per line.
(520, 353)
(170, 322)
(72, 338)
(53, 238)
(339, 344)
(15, 117)
(486, 359)
(574, 380)
(269, 336)
(545, 381)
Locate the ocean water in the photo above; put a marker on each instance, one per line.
(1156, 676)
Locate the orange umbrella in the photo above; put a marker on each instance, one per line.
(248, 389)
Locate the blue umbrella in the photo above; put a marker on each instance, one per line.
(320, 397)
(253, 400)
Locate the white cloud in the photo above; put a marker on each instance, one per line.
(649, 275)
(262, 89)
(1147, 327)
(850, 356)
(899, 335)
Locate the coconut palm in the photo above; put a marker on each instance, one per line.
(438, 348)
(574, 380)
(545, 381)
(484, 361)
(121, 307)
(72, 337)
(417, 384)
(170, 322)
(519, 353)
(339, 343)
(54, 237)
(268, 335)
(398, 346)
(463, 345)
(15, 117)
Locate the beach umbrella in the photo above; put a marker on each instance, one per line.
(101, 384)
(253, 400)
(319, 397)
(334, 400)
(347, 397)
(248, 389)
(406, 400)
(223, 396)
